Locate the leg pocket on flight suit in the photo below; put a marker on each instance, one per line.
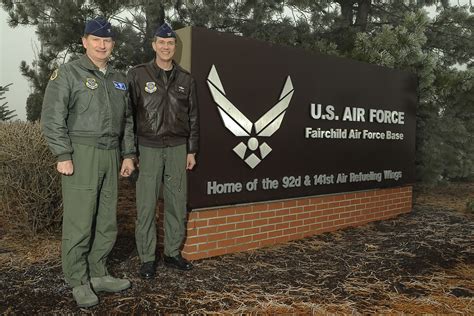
(79, 204)
(146, 185)
(177, 184)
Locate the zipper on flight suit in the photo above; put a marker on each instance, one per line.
(109, 110)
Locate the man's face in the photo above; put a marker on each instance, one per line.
(98, 48)
(164, 48)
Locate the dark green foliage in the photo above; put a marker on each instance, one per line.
(456, 97)
(33, 106)
(451, 35)
(5, 113)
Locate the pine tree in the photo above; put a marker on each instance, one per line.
(5, 113)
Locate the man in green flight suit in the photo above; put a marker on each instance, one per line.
(163, 97)
(88, 124)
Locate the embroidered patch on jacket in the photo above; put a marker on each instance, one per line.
(91, 83)
(150, 87)
(182, 89)
(54, 75)
(120, 85)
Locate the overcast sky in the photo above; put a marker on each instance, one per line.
(19, 44)
(15, 45)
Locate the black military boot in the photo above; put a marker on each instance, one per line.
(148, 270)
(178, 262)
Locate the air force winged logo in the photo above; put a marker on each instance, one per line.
(253, 152)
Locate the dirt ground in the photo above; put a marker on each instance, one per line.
(421, 262)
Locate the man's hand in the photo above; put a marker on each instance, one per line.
(190, 161)
(65, 167)
(127, 167)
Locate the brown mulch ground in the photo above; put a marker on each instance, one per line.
(422, 262)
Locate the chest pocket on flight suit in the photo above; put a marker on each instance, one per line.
(83, 117)
(118, 103)
(85, 91)
(84, 100)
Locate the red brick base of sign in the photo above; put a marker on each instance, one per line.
(232, 229)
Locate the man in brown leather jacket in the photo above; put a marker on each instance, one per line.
(163, 97)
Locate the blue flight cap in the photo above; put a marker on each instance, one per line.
(99, 27)
(165, 31)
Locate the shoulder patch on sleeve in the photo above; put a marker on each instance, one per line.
(54, 75)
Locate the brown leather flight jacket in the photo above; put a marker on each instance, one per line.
(165, 109)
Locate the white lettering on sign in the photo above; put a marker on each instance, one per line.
(317, 112)
(297, 181)
(330, 133)
(342, 133)
(221, 188)
(291, 182)
(387, 117)
(356, 114)
(354, 134)
(269, 184)
(364, 177)
(391, 135)
(395, 175)
(320, 179)
(372, 135)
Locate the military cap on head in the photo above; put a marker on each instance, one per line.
(99, 27)
(165, 31)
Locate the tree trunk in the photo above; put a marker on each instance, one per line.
(346, 12)
(363, 14)
(155, 16)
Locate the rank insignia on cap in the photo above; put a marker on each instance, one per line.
(150, 87)
(120, 85)
(54, 75)
(99, 27)
(165, 31)
(91, 83)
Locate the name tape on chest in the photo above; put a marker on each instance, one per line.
(181, 89)
(120, 85)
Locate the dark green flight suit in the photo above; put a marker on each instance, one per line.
(86, 118)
